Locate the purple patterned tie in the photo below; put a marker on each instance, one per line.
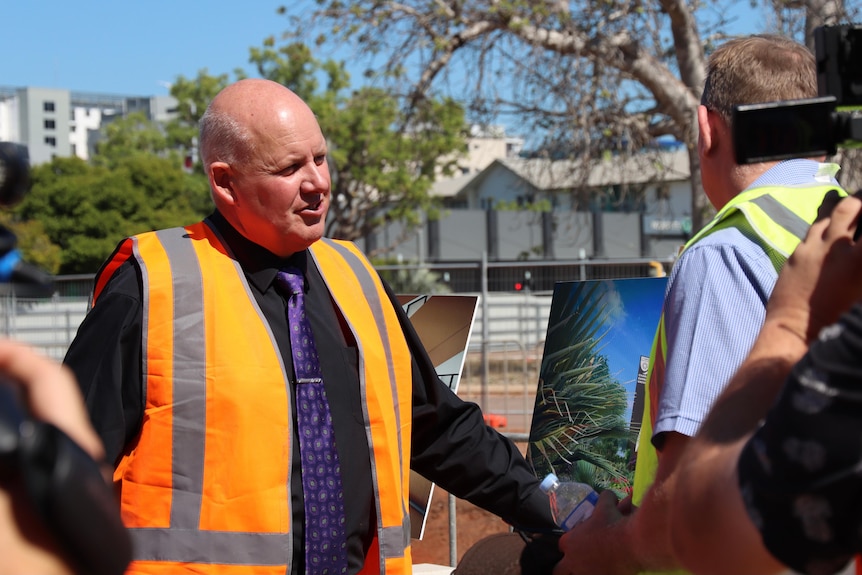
(325, 539)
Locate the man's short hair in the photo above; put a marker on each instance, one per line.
(223, 139)
(757, 69)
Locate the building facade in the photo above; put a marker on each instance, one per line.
(518, 209)
(54, 122)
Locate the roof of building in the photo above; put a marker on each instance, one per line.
(549, 175)
(544, 174)
(450, 187)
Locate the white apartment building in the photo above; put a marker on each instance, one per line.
(54, 122)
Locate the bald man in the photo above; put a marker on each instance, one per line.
(185, 361)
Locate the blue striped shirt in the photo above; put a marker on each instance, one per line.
(715, 305)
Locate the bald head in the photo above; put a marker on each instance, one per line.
(265, 157)
(240, 114)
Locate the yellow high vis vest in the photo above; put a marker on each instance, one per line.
(205, 487)
(777, 218)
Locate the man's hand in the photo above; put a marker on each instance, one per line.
(595, 546)
(823, 276)
(50, 393)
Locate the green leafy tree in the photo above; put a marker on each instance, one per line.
(193, 96)
(77, 212)
(85, 210)
(128, 136)
(33, 242)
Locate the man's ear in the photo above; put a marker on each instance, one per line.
(706, 135)
(221, 182)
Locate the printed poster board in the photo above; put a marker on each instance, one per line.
(585, 420)
(444, 324)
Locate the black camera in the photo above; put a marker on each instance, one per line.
(16, 275)
(14, 173)
(814, 126)
(64, 484)
(65, 487)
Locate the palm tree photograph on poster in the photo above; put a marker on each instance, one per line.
(598, 342)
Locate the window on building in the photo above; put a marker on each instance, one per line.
(50, 124)
(622, 198)
(48, 106)
(51, 141)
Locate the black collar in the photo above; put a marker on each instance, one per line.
(259, 264)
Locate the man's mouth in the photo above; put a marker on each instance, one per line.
(314, 207)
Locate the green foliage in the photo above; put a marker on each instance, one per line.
(543, 205)
(129, 136)
(193, 96)
(578, 423)
(85, 210)
(33, 243)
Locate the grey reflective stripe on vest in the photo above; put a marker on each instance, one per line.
(183, 541)
(211, 547)
(393, 540)
(782, 215)
(774, 210)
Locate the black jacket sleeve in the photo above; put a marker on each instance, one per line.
(105, 357)
(453, 447)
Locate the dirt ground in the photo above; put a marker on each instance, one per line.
(473, 524)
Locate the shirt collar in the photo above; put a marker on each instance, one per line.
(259, 264)
(797, 171)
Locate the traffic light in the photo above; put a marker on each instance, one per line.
(526, 283)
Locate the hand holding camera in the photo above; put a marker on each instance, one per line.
(58, 513)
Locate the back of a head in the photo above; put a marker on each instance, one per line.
(757, 69)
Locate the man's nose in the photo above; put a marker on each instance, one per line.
(315, 177)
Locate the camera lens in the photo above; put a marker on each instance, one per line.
(14, 173)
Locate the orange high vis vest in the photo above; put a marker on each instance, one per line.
(205, 486)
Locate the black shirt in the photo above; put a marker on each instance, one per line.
(800, 475)
(451, 445)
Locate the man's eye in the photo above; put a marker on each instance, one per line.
(320, 159)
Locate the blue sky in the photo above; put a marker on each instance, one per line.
(632, 328)
(138, 48)
(633, 307)
(128, 48)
